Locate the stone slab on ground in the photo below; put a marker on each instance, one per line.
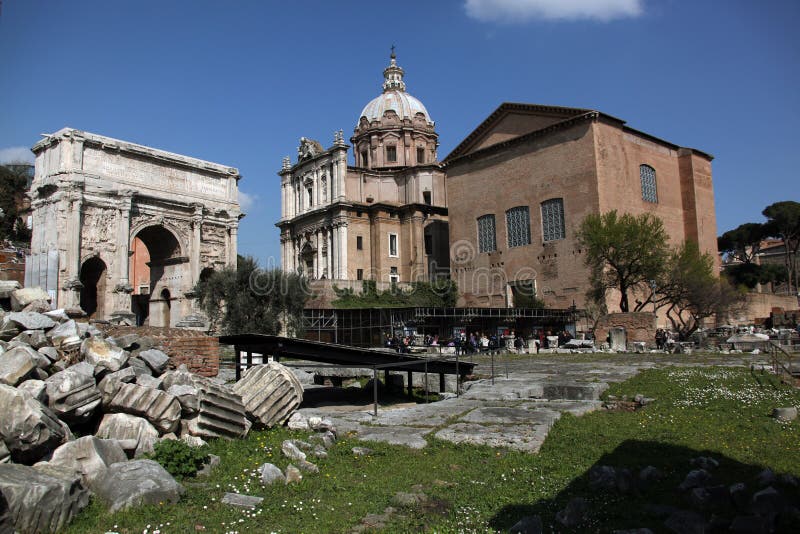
(511, 416)
(412, 437)
(525, 438)
(242, 501)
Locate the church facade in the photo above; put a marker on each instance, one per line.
(384, 218)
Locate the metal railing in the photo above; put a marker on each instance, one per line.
(781, 361)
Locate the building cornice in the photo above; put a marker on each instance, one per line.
(141, 151)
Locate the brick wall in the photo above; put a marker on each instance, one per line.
(198, 351)
(639, 326)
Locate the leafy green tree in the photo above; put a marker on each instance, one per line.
(691, 291)
(783, 220)
(623, 252)
(743, 243)
(248, 299)
(13, 184)
(750, 275)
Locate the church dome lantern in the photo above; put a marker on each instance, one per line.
(394, 128)
(394, 98)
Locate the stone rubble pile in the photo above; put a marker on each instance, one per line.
(58, 376)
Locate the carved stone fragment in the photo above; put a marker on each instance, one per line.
(72, 393)
(41, 502)
(28, 428)
(270, 392)
(159, 407)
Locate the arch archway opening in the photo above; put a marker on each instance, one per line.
(155, 262)
(93, 277)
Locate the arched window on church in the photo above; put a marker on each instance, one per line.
(647, 174)
(324, 186)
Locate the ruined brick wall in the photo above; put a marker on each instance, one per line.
(12, 265)
(198, 351)
(639, 326)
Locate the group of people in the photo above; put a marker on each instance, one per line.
(663, 338)
(479, 341)
(400, 344)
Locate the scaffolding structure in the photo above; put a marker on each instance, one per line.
(368, 327)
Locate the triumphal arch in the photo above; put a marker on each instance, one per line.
(124, 231)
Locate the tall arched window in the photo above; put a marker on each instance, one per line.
(648, 177)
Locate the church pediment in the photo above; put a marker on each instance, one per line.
(512, 120)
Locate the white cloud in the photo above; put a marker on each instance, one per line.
(524, 10)
(247, 201)
(16, 154)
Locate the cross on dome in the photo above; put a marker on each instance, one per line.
(393, 75)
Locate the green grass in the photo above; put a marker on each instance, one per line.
(721, 412)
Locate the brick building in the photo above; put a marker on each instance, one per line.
(521, 183)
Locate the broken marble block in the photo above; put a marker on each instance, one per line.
(159, 407)
(41, 501)
(188, 397)
(101, 353)
(89, 456)
(16, 364)
(65, 336)
(134, 483)
(37, 389)
(24, 296)
(155, 359)
(72, 393)
(28, 428)
(35, 338)
(31, 320)
(134, 433)
(270, 392)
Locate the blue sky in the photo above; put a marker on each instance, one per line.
(240, 82)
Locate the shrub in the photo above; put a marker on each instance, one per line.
(178, 458)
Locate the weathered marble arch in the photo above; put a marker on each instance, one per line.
(124, 230)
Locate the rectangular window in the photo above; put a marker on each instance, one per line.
(518, 225)
(391, 153)
(428, 244)
(364, 158)
(393, 245)
(420, 156)
(394, 277)
(310, 196)
(359, 274)
(359, 242)
(426, 197)
(486, 234)
(553, 219)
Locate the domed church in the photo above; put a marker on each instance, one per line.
(384, 217)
